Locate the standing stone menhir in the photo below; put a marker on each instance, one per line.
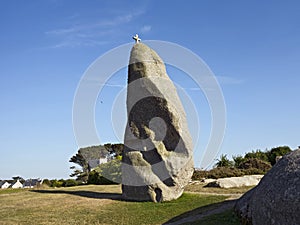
(157, 158)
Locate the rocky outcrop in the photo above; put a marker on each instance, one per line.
(157, 158)
(232, 182)
(276, 200)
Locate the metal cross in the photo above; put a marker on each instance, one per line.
(136, 38)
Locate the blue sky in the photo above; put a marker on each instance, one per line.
(253, 48)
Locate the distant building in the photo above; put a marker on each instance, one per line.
(16, 184)
(93, 163)
(4, 184)
(31, 183)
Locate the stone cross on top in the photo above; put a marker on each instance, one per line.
(136, 38)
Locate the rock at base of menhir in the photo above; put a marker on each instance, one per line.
(276, 199)
(157, 158)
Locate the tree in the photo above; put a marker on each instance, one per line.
(94, 177)
(111, 170)
(83, 172)
(258, 154)
(255, 164)
(238, 160)
(277, 152)
(80, 175)
(85, 156)
(47, 182)
(94, 152)
(107, 173)
(224, 162)
(114, 149)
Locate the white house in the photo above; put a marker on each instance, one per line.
(103, 160)
(4, 184)
(16, 184)
(93, 163)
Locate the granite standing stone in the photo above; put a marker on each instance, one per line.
(157, 158)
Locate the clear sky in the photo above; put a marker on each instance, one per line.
(253, 48)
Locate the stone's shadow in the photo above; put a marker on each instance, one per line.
(197, 214)
(87, 194)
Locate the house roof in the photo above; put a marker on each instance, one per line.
(15, 181)
(31, 182)
(3, 182)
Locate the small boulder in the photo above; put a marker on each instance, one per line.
(232, 182)
(208, 180)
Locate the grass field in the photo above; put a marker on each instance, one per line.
(102, 205)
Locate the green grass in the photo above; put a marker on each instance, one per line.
(10, 191)
(226, 218)
(92, 205)
(153, 213)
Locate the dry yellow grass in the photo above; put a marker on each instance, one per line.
(56, 206)
(94, 204)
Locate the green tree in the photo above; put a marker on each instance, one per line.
(114, 149)
(238, 160)
(111, 170)
(224, 162)
(85, 156)
(258, 154)
(277, 152)
(94, 177)
(93, 152)
(83, 172)
(47, 182)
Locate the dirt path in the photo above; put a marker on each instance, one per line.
(224, 206)
(230, 196)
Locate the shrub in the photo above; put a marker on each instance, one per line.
(258, 154)
(254, 163)
(97, 178)
(70, 183)
(238, 160)
(56, 183)
(47, 182)
(253, 171)
(218, 172)
(224, 162)
(199, 174)
(221, 172)
(250, 167)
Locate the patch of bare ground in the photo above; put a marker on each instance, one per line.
(200, 188)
